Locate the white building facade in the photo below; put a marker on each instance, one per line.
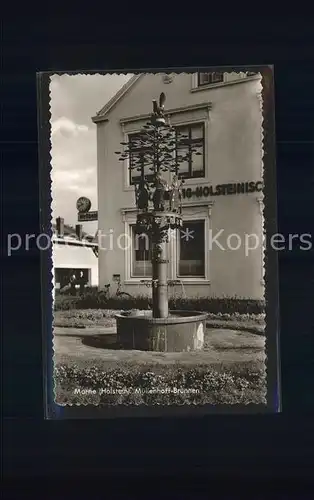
(223, 190)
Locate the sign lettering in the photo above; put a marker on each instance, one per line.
(223, 189)
(88, 216)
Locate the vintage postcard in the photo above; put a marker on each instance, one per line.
(160, 283)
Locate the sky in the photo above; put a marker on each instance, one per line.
(74, 99)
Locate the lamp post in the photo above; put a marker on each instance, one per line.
(152, 153)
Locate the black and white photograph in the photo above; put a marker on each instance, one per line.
(158, 218)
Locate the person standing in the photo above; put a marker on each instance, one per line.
(73, 284)
(82, 282)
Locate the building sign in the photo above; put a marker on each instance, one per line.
(88, 216)
(223, 189)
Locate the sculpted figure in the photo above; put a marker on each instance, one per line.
(160, 193)
(142, 195)
(158, 110)
(176, 194)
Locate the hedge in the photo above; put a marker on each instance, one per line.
(93, 299)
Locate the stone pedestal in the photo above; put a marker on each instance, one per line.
(182, 331)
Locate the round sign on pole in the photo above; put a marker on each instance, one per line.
(83, 205)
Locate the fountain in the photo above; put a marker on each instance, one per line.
(158, 212)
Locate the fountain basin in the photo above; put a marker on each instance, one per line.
(182, 331)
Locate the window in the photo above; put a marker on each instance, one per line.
(209, 78)
(191, 259)
(63, 276)
(137, 158)
(188, 137)
(141, 255)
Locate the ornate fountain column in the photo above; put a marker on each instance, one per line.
(158, 211)
(160, 279)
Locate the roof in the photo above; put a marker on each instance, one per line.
(70, 231)
(102, 114)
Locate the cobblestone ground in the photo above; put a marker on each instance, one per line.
(221, 346)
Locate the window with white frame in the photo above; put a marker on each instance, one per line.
(191, 144)
(209, 78)
(141, 266)
(191, 250)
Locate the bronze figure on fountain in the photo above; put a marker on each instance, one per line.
(158, 117)
(142, 194)
(175, 198)
(160, 193)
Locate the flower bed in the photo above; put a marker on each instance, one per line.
(254, 323)
(177, 385)
(256, 318)
(84, 318)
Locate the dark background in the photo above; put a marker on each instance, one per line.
(268, 446)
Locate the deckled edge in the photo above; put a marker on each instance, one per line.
(170, 72)
(51, 233)
(260, 97)
(272, 366)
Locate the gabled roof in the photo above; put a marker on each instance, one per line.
(102, 114)
(68, 230)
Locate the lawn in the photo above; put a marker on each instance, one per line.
(91, 370)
